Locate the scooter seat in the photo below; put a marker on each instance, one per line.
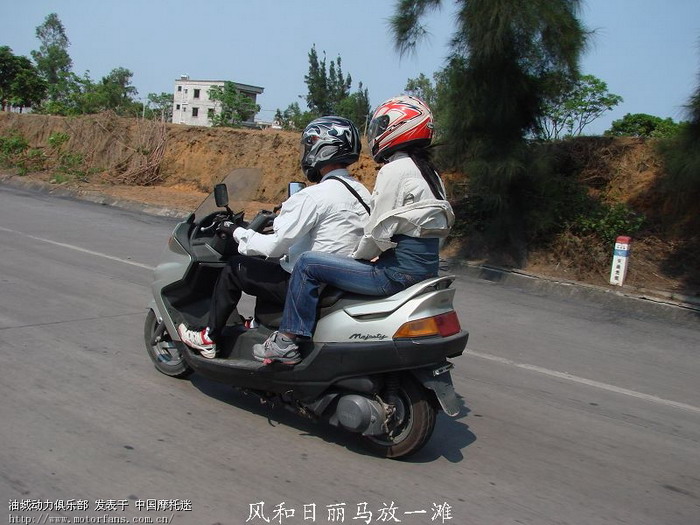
(330, 295)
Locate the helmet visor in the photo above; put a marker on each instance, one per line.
(377, 126)
(305, 146)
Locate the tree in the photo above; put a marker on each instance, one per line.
(573, 105)
(338, 86)
(317, 98)
(52, 59)
(8, 72)
(115, 91)
(682, 159)
(27, 89)
(328, 94)
(326, 88)
(356, 107)
(236, 107)
(20, 84)
(81, 95)
(69, 94)
(70, 99)
(423, 88)
(162, 106)
(293, 118)
(502, 51)
(643, 125)
(432, 94)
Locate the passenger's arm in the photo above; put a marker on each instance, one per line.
(385, 197)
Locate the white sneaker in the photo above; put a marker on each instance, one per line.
(199, 340)
(278, 347)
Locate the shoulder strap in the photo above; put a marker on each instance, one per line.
(351, 190)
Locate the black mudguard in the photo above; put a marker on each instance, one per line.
(439, 380)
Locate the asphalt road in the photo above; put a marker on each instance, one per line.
(577, 412)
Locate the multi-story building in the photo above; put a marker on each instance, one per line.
(192, 105)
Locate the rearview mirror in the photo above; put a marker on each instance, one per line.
(221, 195)
(295, 187)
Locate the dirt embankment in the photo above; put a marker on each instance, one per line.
(628, 171)
(180, 164)
(191, 160)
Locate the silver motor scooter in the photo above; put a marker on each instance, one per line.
(377, 367)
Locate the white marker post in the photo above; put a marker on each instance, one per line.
(621, 256)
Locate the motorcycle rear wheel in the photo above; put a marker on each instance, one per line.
(165, 355)
(412, 426)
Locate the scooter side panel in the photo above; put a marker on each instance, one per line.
(386, 305)
(325, 365)
(340, 327)
(173, 267)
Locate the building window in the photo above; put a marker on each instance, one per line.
(177, 106)
(179, 88)
(195, 112)
(210, 113)
(196, 93)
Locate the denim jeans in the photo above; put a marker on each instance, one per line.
(314, 269)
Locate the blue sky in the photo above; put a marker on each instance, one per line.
(647, 51)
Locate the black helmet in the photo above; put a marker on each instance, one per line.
(328, 140)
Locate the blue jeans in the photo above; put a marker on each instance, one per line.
(313, 269)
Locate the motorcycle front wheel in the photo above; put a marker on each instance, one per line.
(162, 350)
(411, 426)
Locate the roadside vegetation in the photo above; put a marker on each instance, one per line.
(15, 152)
(50, 86)
(511, 105)
(328, 94)
(511, 108)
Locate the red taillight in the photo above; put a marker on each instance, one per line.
(448, 324)
(443, 325)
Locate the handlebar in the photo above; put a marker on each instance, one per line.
(214, 221)
(261, 221)
(210, 227)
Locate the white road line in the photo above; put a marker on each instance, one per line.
(584, 381)
(79, 249)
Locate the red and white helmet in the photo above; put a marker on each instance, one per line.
(401, 122)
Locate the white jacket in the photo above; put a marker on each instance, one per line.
(402, 203)
(324, 217)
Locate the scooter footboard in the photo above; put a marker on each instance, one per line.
(439, 381)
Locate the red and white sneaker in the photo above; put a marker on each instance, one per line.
(199, 340)
(250, 322)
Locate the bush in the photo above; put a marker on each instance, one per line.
(550, 206)
(608, 222)
(57, 139)
(681, 186)
(15, 153)
(12, 148)
(643, 125)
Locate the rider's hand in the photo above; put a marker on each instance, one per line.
(237, 233)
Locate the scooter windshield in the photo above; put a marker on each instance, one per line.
(242, 185)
